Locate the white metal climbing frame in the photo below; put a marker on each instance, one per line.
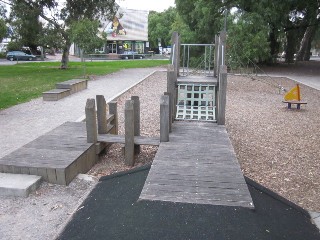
(196, 102)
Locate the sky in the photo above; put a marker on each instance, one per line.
(156, 5)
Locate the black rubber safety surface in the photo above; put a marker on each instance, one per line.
(112, 211)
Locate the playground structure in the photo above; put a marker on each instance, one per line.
(195, 161)
(200, 92)
(198, 164)
(105, 131)
(294, 97)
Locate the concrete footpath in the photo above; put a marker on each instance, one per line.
(25, 122)
(307, 73)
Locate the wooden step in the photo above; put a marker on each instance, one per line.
(55, 94)
(75, 85)
(65, 89)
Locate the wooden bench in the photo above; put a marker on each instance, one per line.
(65, 89)
(298, 103)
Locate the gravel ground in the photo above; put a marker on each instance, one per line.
(43, 213)
(276, 147)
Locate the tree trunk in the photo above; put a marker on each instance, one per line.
(307, 54)
(65, 55)
(291, 45)
(274, 44)
(305, 45)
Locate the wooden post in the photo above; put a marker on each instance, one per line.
(170, 110)
(129, 133)
(223, 38)
(101, 114)
(113, 110)
(136, 109)
(176, 59)
(164, 119)
(178, 55)
(216, 48)
(91, 123)
(171, 88)
(222, 95)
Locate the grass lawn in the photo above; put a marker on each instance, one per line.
(24, 81)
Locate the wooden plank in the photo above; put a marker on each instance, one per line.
(164, 118)
(136, 110)
(129, 133)
(143, 140)
(138, 140)
(61, 176)
(33, 171)
(222, 95)
(25, 170)
(52, 176)
(91, 123)
(111, 138)
(113, 110)
(101, 114)
(198, 165)
(43, 173)
(197, 183)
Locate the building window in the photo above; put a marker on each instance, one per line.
(127, 46)
(139, 47)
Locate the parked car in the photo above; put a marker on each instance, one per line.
(131, 55)
(19, 55)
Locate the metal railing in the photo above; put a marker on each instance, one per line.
(197, 59)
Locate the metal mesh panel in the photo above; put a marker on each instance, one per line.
(196, 102)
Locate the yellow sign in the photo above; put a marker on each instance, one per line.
(293, 94)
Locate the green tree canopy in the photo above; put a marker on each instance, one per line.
(85, 33)
(289, 24)
(160, 26)
(3, 27)
(61, 15)
(247, 39)
(26, 26)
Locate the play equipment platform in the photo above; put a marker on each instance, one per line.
(198, 165)
(58, 156)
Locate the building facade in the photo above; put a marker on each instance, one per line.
(127, 31)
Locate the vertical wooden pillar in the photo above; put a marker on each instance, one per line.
(171, 88)
(101, 114)
(176, 58)
(222, 95)
(223, 38)
(164, 119)
(113, 110)
(129, 133)
(170, 110)
(91, 123)
(136, 109)
(216, 49)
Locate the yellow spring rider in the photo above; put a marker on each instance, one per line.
(293, 97)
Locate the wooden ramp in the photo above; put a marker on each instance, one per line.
(58, 156)
(198, 166)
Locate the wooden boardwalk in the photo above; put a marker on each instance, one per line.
(198, 166)
(58, 156)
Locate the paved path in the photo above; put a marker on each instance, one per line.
(307, 73)
(25, 122)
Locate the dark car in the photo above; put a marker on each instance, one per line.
(131, 55)
(19, 55)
